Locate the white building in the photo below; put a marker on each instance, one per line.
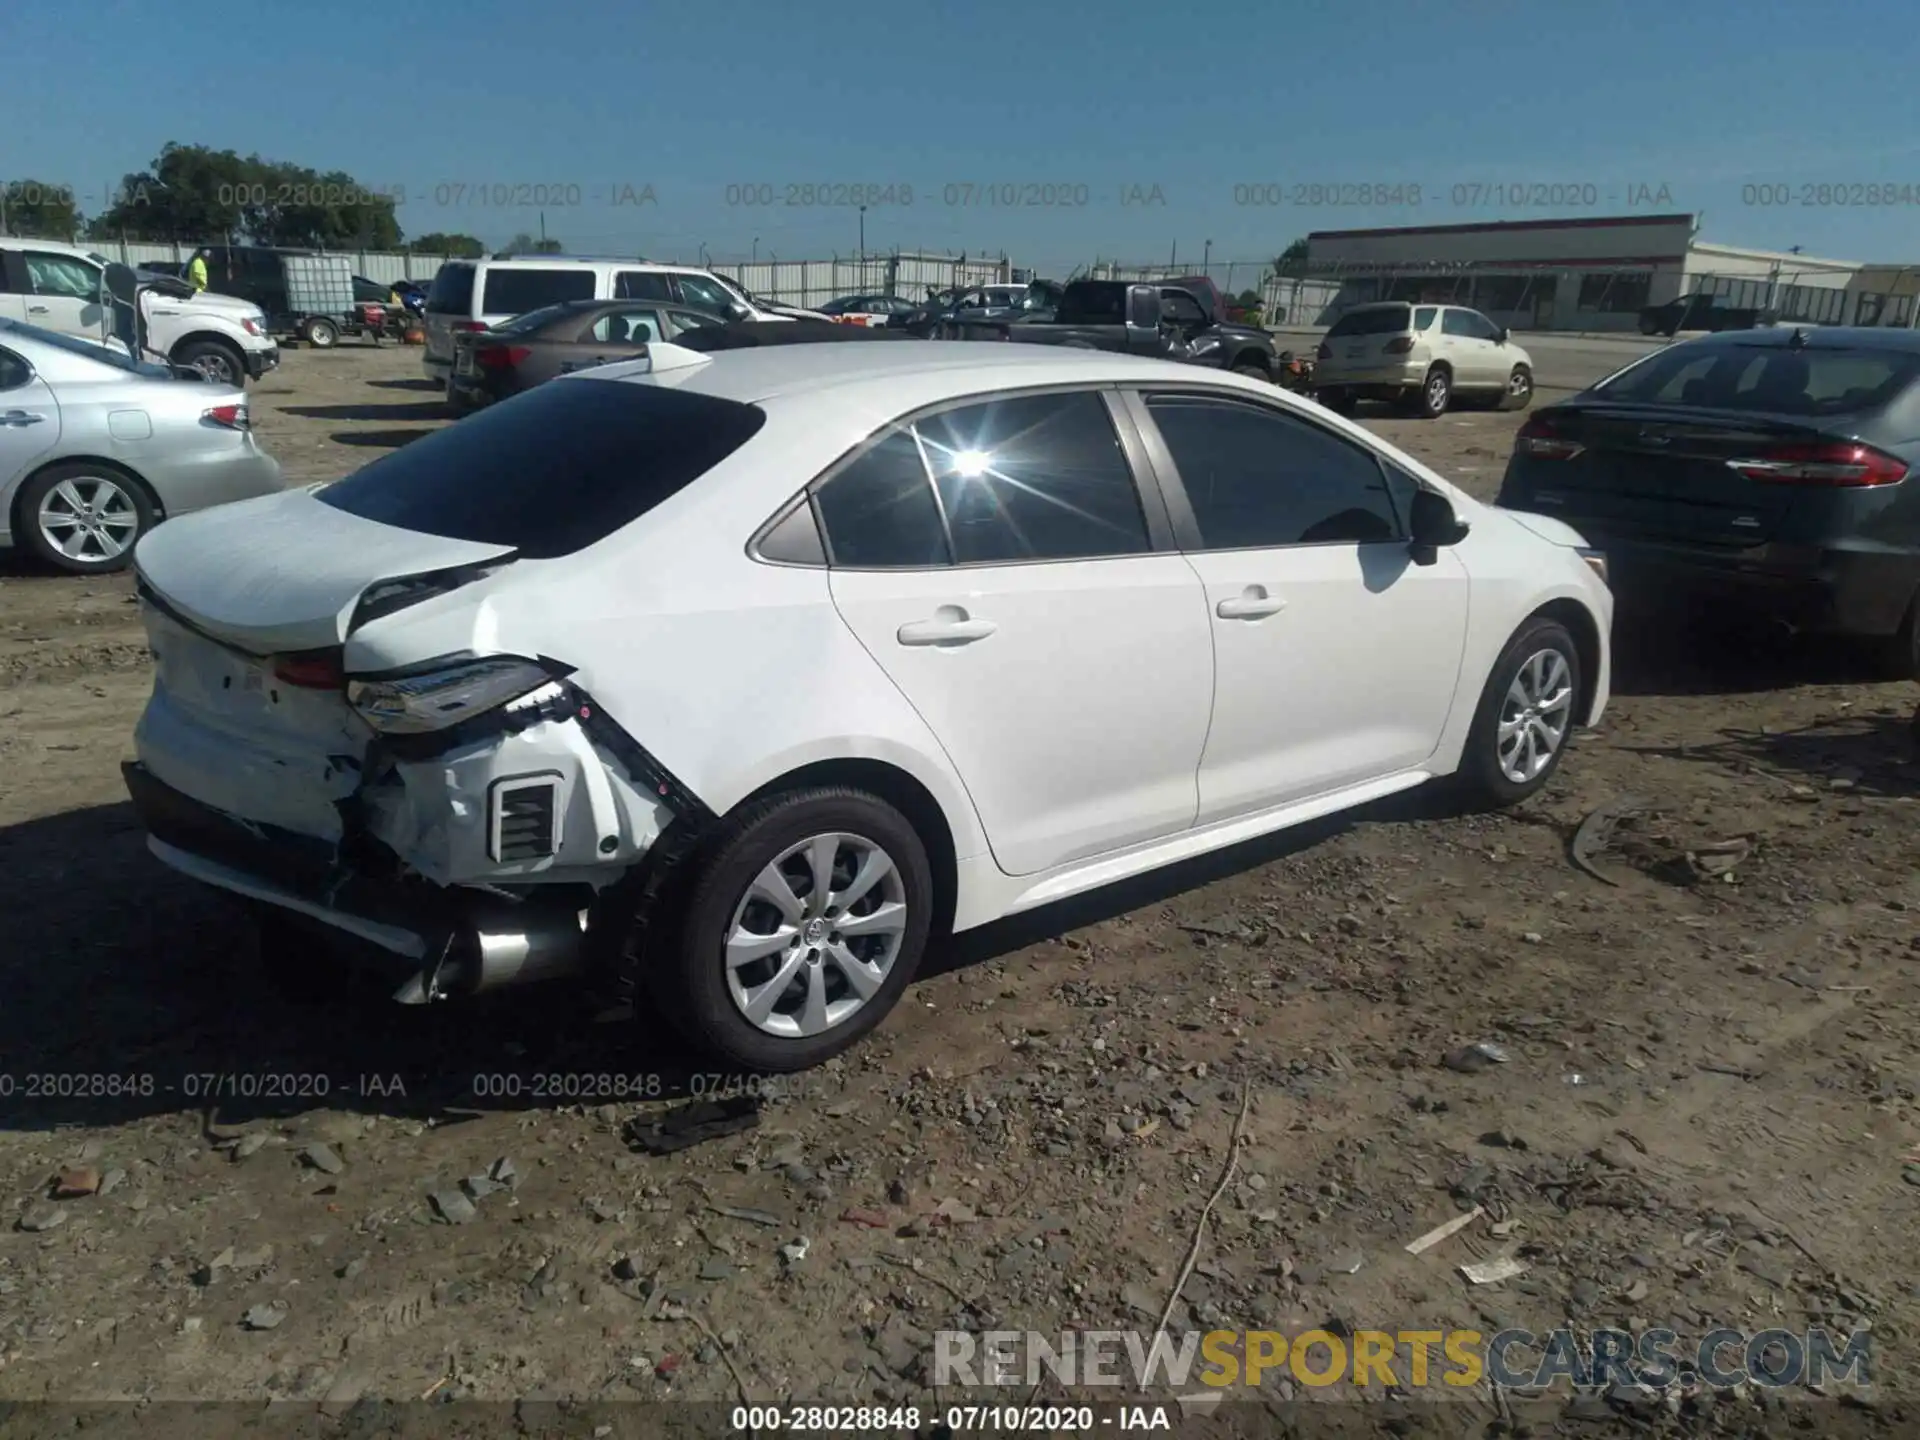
(1597, 273)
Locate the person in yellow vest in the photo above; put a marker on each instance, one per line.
(197, 270)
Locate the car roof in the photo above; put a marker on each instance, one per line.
(560, 260)
(1812, 337)
(958, 368)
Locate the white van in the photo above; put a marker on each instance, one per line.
(476, 294)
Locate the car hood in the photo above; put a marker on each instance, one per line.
(229, 305)
(1555, 532)
(285, 572)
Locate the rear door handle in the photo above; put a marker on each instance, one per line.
(20, 417)
(1254, 603)
(955, 627)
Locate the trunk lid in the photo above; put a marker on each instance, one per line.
(1658, 473)
(284, 573)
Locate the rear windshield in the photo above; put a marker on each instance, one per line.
(452, 291)
(516, 290)
(1767, 379)
(553, 470)
(1387, 320)
(532, 320)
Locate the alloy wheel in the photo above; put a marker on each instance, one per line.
(91, 519)
(816, 935)
(1535, 715)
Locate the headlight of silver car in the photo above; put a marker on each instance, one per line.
(441, 698)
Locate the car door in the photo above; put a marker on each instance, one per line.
(1335, 655)
(29, 421)
(63, 293)
(1042, 625)
(1464, 347)
(1183, 318)
(1495, 356)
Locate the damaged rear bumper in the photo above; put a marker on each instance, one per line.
(445, 940)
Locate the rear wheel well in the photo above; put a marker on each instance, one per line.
(1586, 641)
(905, 794)
(17, 518)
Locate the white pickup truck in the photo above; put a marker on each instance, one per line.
(59, 287)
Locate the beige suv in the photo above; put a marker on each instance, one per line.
(1421, 357)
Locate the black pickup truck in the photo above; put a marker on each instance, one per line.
(1166, 321)
(1700, 311)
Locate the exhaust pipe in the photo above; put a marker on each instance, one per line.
(520, 949)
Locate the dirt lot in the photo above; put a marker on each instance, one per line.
(1703, 1118)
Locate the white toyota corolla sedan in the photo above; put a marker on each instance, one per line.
(731, 678)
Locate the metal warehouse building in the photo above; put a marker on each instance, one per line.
(1596, 273)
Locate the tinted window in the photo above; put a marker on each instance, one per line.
(452, 291)
(1181, 308)
(641, 285)
(14, 372)
(1769, 378)
(531, 321)
(1256, 478)
(1458, 322)
(1385, 320)
(634, 327)
(1096, 302)
(562, 466)
(517, 289)
(1423, 317)
(1480, 327)
(1038, 477)
(879, 511)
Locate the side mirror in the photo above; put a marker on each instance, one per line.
(128, 320)
(1143, 308)
(1433, 525)
(1505, 334)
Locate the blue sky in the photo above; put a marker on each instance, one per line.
(1171, 124)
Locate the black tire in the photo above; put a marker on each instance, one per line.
(1255, 369)
(1341, 402)
(320, 332)
(1516, 398)
(1435, 395)
(1482, 780)
(688, 972)
(215, 359)
(107, 494)
(1897, 656)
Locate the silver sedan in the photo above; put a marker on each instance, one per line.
(95, 450)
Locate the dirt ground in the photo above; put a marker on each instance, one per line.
(1704, 1115)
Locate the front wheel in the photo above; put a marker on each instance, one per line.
(1525, 718)
(217, 362)
(1253, 370)
(1519, 392)
(803, 923)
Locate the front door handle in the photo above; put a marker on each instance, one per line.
(950, 626)
(36, 309)
(1253, 603)
(21, 417)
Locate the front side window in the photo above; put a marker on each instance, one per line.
(1181, 308)
(1034, 477)
(62, 276)
(641, 285)
(1257, 479)
(14, 372)
(707, 294)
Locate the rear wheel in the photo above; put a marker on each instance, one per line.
(1897, 657)
(1435, 394)
(1525, 718)
(802, 924)
(84, 517)
(320, 333)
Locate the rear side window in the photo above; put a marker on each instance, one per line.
(1769, 379)
(1387, 320)
(1034, 477)
(452, 291)
(1423, 317)
(641, 285)
(561, 467)
(879, 512)
(517, 289)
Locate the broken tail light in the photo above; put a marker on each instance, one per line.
(1546, 438)
(310, 669)
(1838, 463)
(441, 698)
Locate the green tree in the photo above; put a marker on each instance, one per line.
(38, 210)
(1292, 259)
(194, 193)
(525, 244)
(439, 243)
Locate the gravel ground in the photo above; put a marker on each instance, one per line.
(1702, 1116)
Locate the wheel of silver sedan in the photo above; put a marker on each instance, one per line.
(1535, 715)
(816, 934)
(92, 519)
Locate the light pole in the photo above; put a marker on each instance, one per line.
(1206, 255)
(863, 235)
(756, 247)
